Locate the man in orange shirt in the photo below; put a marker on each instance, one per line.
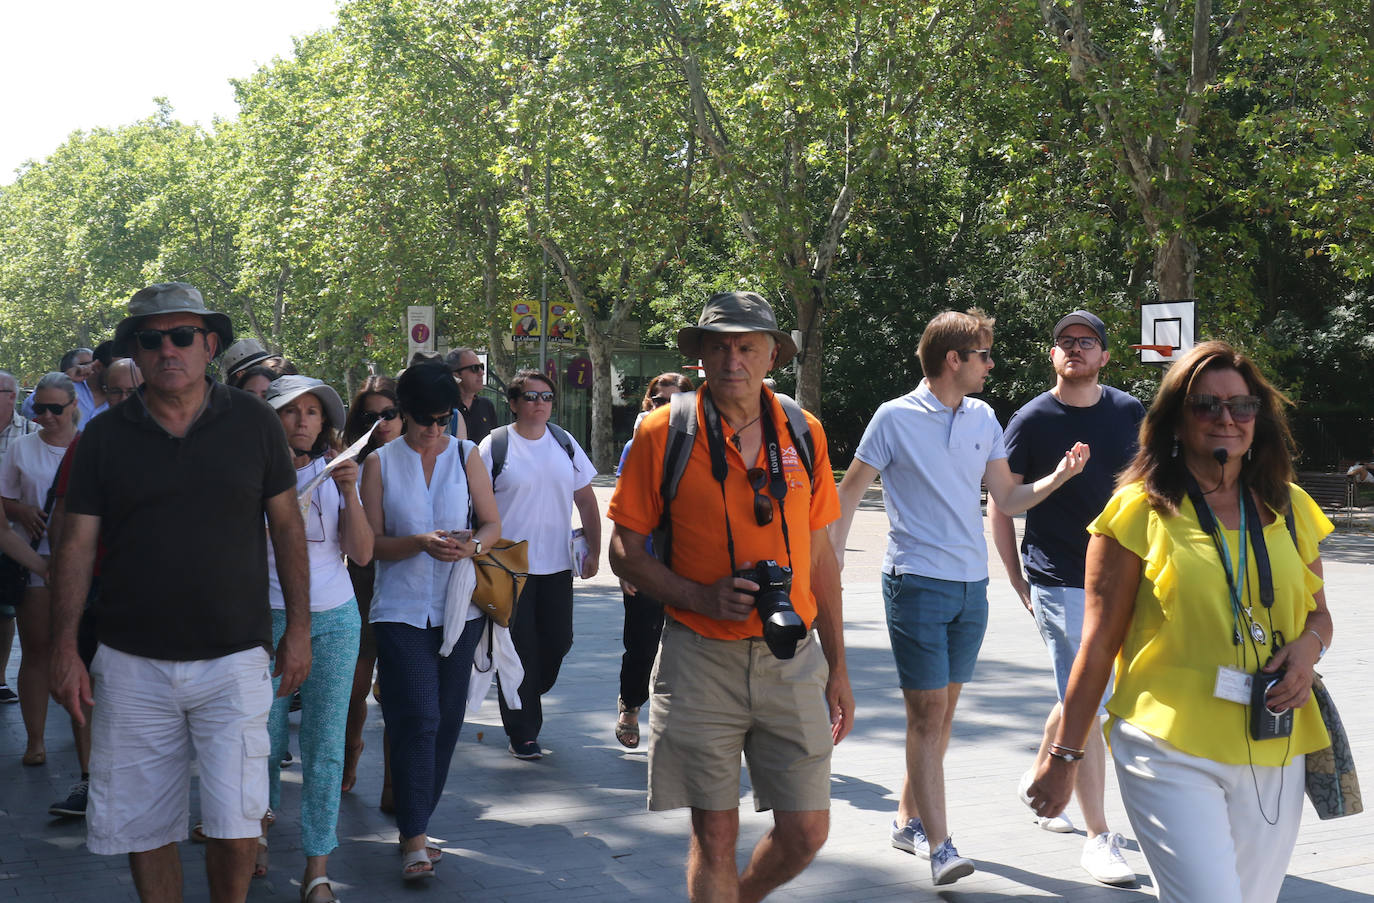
(722, 684)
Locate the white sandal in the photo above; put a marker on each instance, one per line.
(323, 879)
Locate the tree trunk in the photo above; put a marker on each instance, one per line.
(603, 454)
(1175, 266)
(499, 360)
(809, 302)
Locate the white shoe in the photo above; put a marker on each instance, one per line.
(1059, 824)
(1103, 860)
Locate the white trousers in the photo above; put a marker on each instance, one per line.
(1204, 825)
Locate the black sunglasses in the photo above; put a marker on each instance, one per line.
(53, 409)
(426, 420)
(659, 401)
(984, 353)
(763, 505)
(475, 368)
(371, 417)
(181, 336)
(537, 396)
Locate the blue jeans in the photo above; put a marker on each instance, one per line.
(424, 700)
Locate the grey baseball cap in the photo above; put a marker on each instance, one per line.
(170, 298)
(285, 389)
(736, 312)
(1081, 318)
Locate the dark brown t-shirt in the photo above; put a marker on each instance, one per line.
(182, 519)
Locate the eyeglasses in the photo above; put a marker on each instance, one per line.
(984, 353)
(8, 392)
(53, 409)
(532, 397)
(426, 420)
(121, 394)
(1084, 342)
(371, 417)
(475, 368)
(763, 505)
(659, 401)
(181, 336)
(1207, 408)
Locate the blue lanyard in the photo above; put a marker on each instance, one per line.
(1236, 587)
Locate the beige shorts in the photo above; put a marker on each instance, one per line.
(715, 699)
(149, 717)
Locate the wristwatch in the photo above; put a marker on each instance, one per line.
(478, 550)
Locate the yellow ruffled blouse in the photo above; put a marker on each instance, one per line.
(1181, 629)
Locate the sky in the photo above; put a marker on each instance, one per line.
(78, 64)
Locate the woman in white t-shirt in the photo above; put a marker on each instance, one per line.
(335, 525)
(25, 478)
(537, 485)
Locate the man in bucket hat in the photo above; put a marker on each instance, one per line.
(724, 682)
(176, 482)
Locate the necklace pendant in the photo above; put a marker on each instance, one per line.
(1235, 637)
(1257, 632)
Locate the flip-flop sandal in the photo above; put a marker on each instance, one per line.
(260, 862)
(417, 865)
(323, 879)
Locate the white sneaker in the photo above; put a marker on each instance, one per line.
(1059, 824)
(946, 865)
(1103, 860)
(911, 839)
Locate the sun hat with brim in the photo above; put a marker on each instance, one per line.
(285, 389)
(1081, 318)
(243, 354)
(170, 298)
(736, 312)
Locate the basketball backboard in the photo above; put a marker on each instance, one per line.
(1169, 326)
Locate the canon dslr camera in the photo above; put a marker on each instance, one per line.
(783, 628)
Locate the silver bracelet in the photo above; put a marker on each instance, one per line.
(1320, 644)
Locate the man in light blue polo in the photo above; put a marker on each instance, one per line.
(933, 446)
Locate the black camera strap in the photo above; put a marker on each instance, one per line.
(720, 467)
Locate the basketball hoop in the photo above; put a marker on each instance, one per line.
(1161, 350)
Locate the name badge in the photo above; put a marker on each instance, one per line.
(1233, 685)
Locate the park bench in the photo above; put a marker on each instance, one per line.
(1332, 491)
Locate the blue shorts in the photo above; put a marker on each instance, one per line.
(936, 628)
(1058, 613)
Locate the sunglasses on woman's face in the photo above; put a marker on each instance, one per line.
(1207, 408)
(371, 417)
(659, 401)
(53, 409)
(426, 420)
(532, 397)
(181, 336)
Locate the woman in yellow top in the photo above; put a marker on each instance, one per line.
(1198, 584)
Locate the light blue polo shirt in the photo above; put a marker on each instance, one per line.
(932, 459)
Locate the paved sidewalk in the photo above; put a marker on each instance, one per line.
(574, 826)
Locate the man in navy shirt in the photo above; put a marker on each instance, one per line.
(1055, 544)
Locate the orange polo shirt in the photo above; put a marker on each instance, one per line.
(700, 552)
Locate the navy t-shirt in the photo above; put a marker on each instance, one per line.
(1056, 537)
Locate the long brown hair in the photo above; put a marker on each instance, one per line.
(1268, 469)
(683, 383)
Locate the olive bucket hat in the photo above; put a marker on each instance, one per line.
(170, 298)
(736, 312)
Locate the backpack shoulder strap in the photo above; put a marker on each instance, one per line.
(682, 435)
(500, 441)
(563, 438)
(801, 433)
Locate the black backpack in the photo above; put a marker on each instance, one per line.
(500, 442)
